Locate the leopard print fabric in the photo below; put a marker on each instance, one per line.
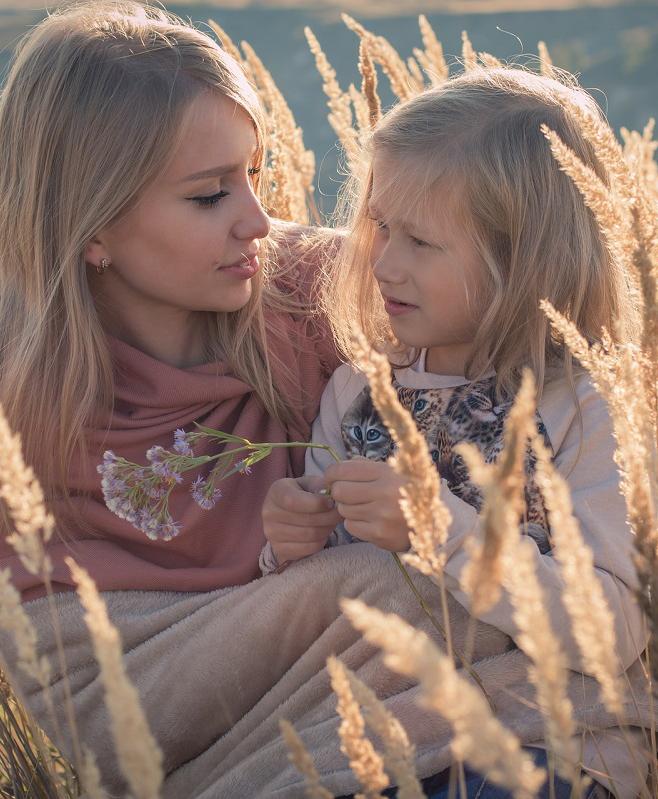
(446, 416)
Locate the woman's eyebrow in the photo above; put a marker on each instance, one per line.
(217, 171)
(214, 172)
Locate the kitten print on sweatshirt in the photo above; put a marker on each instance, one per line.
(446, 416)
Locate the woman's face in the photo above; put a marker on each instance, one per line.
(190, 242)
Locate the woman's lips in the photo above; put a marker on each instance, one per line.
(244, 269)
(396, 308)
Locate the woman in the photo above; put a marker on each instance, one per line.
(140, 292)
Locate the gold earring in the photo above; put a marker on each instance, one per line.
(102, 266)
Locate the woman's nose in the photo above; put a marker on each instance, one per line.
(253, 222)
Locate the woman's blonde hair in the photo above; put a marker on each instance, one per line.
(475, 142)
(91, 111)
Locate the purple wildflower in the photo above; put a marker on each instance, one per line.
(182, 444)
(163, 469)
(154, 454)
(205, 496)
(243, 467)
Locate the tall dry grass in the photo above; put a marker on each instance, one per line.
(30, 765)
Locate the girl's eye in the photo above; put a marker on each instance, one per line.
(378, 223)
(419, 242)
(210, 201)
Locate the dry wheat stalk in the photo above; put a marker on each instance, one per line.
(545, 61)
(399, 753)
(639, 154)
(369, 87)
(503, 485)
(15, 621)
(24, 498)
(619, 375)
(229, 45)
(139, 756)
(428, 518)
(365, 762)
(613, 219)
(609, 152)
(361, 110)
(549, 672)
(90, 777)
(489, 61)
(479, 738)
(382, 51)
(469, 56)
(503, 558)
(340, 110)
(591, 620)
(303, 762)
(292, 165)
(433, 62)
(416, 72)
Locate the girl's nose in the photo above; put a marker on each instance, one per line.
(386, 268)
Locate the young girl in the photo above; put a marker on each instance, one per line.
(464, 224)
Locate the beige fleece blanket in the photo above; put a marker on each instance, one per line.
(216, 671)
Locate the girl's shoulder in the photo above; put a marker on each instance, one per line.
(577, 421)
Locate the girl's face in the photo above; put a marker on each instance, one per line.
(190, 243)
(428, 272)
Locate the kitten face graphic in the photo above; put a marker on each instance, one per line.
(363, 431)
(444, 417)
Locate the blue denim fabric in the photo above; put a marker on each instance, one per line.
(477, 787)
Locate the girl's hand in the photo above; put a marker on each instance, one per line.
(367, 496)
(296, 521)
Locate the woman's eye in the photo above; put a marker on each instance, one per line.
(211, 200)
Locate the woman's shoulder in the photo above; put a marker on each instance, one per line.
(300, 252)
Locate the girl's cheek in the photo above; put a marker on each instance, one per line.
(376, 250)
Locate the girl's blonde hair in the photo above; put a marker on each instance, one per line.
(91, 112)
(476, 141)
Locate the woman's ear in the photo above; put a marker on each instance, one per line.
(96, 251)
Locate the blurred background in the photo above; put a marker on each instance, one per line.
(612, 47)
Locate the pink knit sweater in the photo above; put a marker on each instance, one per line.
(216, 548)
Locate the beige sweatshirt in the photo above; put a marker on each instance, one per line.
(583, 455)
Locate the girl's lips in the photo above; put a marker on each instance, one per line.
(395, 308)
(244, 269)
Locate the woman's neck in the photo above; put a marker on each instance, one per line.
(174, 338)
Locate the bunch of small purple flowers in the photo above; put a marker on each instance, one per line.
(140, 494)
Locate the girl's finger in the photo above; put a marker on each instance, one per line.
(286, 535)
(352, 493)
(358, 470)
(364, 512)
(321, 520)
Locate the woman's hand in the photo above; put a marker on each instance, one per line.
(298, 522)
(367, 496)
